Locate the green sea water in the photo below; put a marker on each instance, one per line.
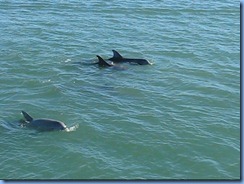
(176, 119)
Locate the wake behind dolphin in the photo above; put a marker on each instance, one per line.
(44, 124)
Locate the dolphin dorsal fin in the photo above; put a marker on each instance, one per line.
(116, 55)
(27, 116)
(102, 62)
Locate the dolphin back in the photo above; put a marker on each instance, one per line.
(47, 125)
(102, 62)
(27, 116)
(117, 58)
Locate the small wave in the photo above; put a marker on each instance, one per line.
(151, 62)
(72, 128)
(66, 60)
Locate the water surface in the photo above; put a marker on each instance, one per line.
(176, 119)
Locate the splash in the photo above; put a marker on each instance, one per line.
(72, 128)
(67, 60)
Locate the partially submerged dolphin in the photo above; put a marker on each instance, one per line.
(117, 58)
(43, 124)
(102, 63)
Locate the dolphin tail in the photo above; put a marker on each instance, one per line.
(27, 116)
(102, 62)
(116, 55)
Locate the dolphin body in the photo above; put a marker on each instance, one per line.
(105, 63)
(43, 124)
(102, 63)
(117, 58)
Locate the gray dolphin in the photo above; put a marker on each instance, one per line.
(117, 58)
(102, 63)
(43, 124)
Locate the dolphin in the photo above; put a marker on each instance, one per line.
(117, 58)
(102, 63)
(43, 124)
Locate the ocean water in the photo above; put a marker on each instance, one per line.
(176, 119)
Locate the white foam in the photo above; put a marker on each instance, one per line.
(72, 128)
(67, 60)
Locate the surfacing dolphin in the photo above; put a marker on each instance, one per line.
(117, 58)
(43, 124)
(102, 63)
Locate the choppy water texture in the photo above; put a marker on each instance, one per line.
(176, 119)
